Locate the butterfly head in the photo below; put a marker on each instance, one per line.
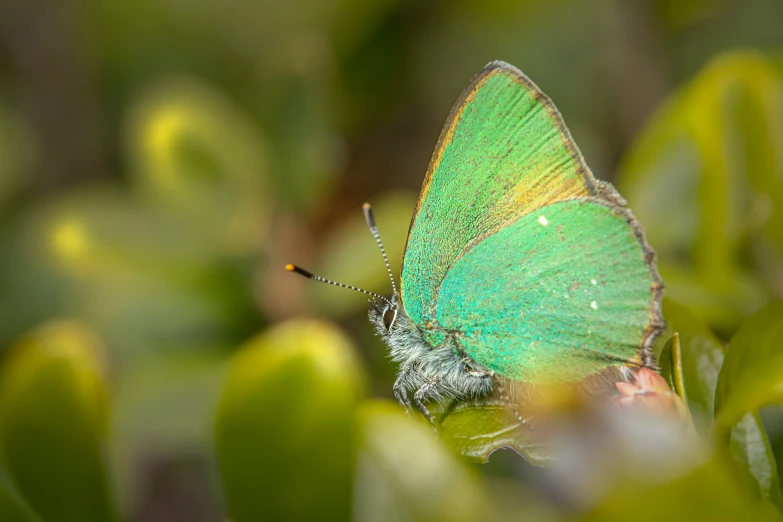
(389, 317)
(384, 313)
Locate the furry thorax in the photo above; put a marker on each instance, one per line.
(445, 372)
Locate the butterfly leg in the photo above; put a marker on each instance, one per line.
(486, 374)
(400, 393)
(480, 381)
(511, 403)
(421, 395)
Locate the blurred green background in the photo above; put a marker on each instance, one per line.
(160, 161)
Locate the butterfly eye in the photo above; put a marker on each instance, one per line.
(388, 317)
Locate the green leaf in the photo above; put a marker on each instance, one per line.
(52, 423)
(671, 366)
(284, 430)
(701, 357)
(404, 473)
(751, 449)
(752, 374)
(477, 428)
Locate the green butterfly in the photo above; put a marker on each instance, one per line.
(520, 266)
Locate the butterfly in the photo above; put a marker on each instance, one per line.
(519, 266)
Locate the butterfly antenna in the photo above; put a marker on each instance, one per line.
(310, 275)
(374, 229)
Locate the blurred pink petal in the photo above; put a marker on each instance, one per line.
(651, 392)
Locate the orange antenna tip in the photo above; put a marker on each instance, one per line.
(301, 271)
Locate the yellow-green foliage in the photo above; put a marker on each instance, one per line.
(157, 361)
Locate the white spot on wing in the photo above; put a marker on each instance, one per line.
(594, 305)
(544, 222)
(594, 281)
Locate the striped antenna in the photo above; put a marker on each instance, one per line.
(374, 229)
(310, 275)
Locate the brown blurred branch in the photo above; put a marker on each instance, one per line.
(47, 50)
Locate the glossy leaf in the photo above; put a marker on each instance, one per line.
(701, 357)
(671, 366)
(751, 449)
(52, 423)
(285, 435)
(404, 473)
(478, 428)
(752, 374)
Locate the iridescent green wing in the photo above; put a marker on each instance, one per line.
(556, 296)
(518, 252)
(503, 152)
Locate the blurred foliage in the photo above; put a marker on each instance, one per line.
(161, 161)
(404, 474)
(303, 379)
(53, 407)
(751, 374)
(198, 158)
(707, 179)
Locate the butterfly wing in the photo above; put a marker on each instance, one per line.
(556, 296)
(504, 153)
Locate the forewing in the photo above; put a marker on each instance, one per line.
(503, 152)
(558, 295)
